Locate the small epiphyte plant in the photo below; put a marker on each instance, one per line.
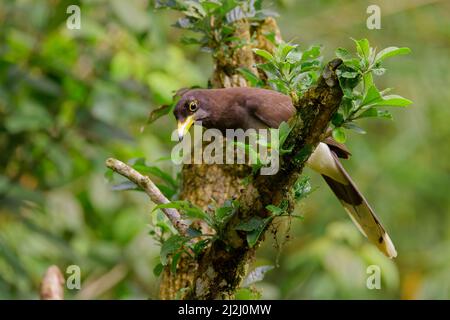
(213, 20)
(289, 70)
(361, 97)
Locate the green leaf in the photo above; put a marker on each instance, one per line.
(353, 126)
(393, 100)
(368, 81)
(283, 132)
(224, 212)
(283, 50)
(372, 96)
(337, 119)
(176, 257)
(274, 209)
(302, 188)
(109, 175)
(263, 53)
(211, 6)
(254, 80)
(339, 135)
(158, 269)
(374, 113)
(170, 246)
(353, 64)
(343, 54)
(155, 171)
(253, 236)
(312, 53)
(270, 70)
(247, 294)
(250, 225)
(199, 246)
(349, 75)
(187, 209)
(158, 113)
(391, 52)
(254, 227)
(193, 233)
(363, 48)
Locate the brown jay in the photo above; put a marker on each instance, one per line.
(246, 108)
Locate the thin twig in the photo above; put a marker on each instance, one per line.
(152, 191)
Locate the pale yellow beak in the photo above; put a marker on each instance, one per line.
(183, 127)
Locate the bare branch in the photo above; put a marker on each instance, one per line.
(152, 191)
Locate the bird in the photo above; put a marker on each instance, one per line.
(255, 108)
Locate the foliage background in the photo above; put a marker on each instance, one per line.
(70, 99)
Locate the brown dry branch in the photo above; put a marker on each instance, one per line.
(151, 190)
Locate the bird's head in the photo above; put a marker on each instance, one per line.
(193, 106)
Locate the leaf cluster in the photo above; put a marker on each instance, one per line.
(213, 20)
(362, 99)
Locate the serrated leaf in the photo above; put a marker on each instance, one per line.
(391, 52)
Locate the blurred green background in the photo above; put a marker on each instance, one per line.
(71, 98)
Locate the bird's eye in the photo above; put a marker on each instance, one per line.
(193, 105)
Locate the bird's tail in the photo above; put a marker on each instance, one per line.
(327, 163)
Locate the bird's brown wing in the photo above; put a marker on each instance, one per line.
(270, 107)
